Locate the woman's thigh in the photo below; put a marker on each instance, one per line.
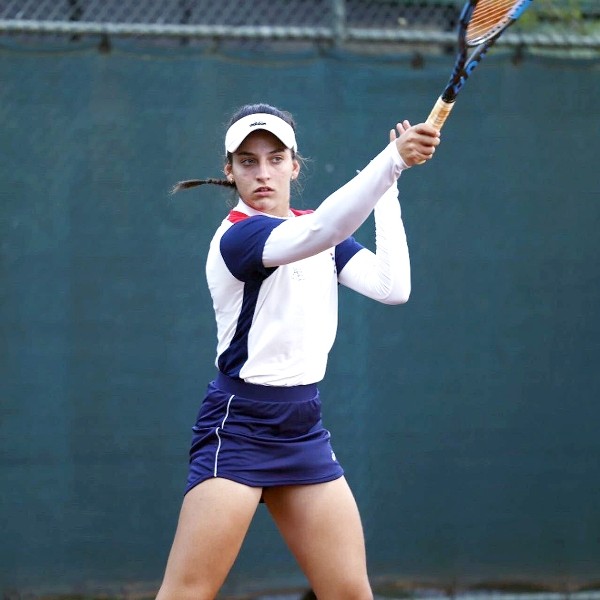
(214, 519)
(321, 525)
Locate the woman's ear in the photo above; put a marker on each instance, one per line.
(227, 170)
(295, 169)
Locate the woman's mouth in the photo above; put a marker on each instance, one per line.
(263, 191)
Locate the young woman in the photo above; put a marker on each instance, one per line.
(273, 275)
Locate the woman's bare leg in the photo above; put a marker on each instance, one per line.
(322, 527)
(213, 522)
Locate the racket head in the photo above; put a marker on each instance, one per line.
(490, 18)
(480, 24)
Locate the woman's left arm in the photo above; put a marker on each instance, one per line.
(385, 274)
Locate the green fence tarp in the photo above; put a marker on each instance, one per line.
(467, 420)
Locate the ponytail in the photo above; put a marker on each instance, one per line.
(190, 183)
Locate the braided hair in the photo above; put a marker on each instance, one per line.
(248, 109)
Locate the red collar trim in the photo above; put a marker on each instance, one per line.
(236, 215)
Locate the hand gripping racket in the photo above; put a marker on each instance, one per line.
(481, 24)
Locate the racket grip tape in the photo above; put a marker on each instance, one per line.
(439, 113)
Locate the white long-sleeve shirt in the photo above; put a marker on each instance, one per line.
(274, 281)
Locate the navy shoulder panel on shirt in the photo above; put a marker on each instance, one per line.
(242, 247)
(344, 251)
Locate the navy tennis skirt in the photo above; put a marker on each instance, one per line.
(261, 436)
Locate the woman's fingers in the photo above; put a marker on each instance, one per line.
(416, 144)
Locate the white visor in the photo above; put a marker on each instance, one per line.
(240, 130)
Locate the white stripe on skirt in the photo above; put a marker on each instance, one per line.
(219, 437)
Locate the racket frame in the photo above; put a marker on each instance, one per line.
(463, 65)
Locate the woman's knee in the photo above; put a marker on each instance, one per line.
(182, 591)
(349, 589)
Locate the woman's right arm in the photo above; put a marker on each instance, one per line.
(344, 211)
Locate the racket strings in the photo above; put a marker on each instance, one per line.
(489, 18)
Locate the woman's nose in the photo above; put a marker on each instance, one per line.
(263, 170)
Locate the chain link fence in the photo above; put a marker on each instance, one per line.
(363, 25)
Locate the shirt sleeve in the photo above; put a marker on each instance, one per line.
(345, 251)
(385, 274)
(339, 215)
(242, 247)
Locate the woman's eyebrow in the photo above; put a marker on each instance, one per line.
(248, 153)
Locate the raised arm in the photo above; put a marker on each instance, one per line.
(342, 213)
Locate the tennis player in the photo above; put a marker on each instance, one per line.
(273, 274)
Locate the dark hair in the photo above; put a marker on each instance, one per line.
(244, 111)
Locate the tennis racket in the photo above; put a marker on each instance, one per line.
(482, 22)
